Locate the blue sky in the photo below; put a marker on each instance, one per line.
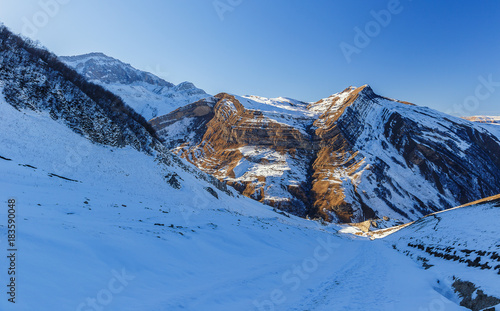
(433, 53)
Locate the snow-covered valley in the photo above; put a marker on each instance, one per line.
(97, 213)
(120, 238)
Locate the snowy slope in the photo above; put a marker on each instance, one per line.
(493, 128)
(148, 94)
(120, 237)
(459, 244)
(388, 136)
(283, 110)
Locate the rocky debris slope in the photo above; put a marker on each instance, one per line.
(350, 157)
(148, 94)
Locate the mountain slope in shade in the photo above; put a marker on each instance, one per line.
(463, 246)
(352, 156)
(33, 78)
(148, 94)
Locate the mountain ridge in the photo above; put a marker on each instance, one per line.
(352, 156)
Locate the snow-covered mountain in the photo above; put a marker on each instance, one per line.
(33, 78)
(148, 94)
(350, 157)
(108, 219)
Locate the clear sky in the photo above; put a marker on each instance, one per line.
(439, 54)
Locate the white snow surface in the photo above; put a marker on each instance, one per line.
(122, 238)
(283, 110)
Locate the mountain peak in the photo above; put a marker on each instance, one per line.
(98, 66)
(91, 54)
(342, 99)
(185, 86)
(366, 88)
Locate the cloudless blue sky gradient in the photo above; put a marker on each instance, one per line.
(431, 53)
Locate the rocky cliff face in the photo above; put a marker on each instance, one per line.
(390, 156)
(350, 157)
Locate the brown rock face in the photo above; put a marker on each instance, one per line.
(230, 139)
(347, 158)
(336, 163)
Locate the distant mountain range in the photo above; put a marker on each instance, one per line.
(484, 119)
(148, 94)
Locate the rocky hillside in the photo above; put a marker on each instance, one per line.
(32, 78)
(261, 147)
(350, 157)
(148, 94)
